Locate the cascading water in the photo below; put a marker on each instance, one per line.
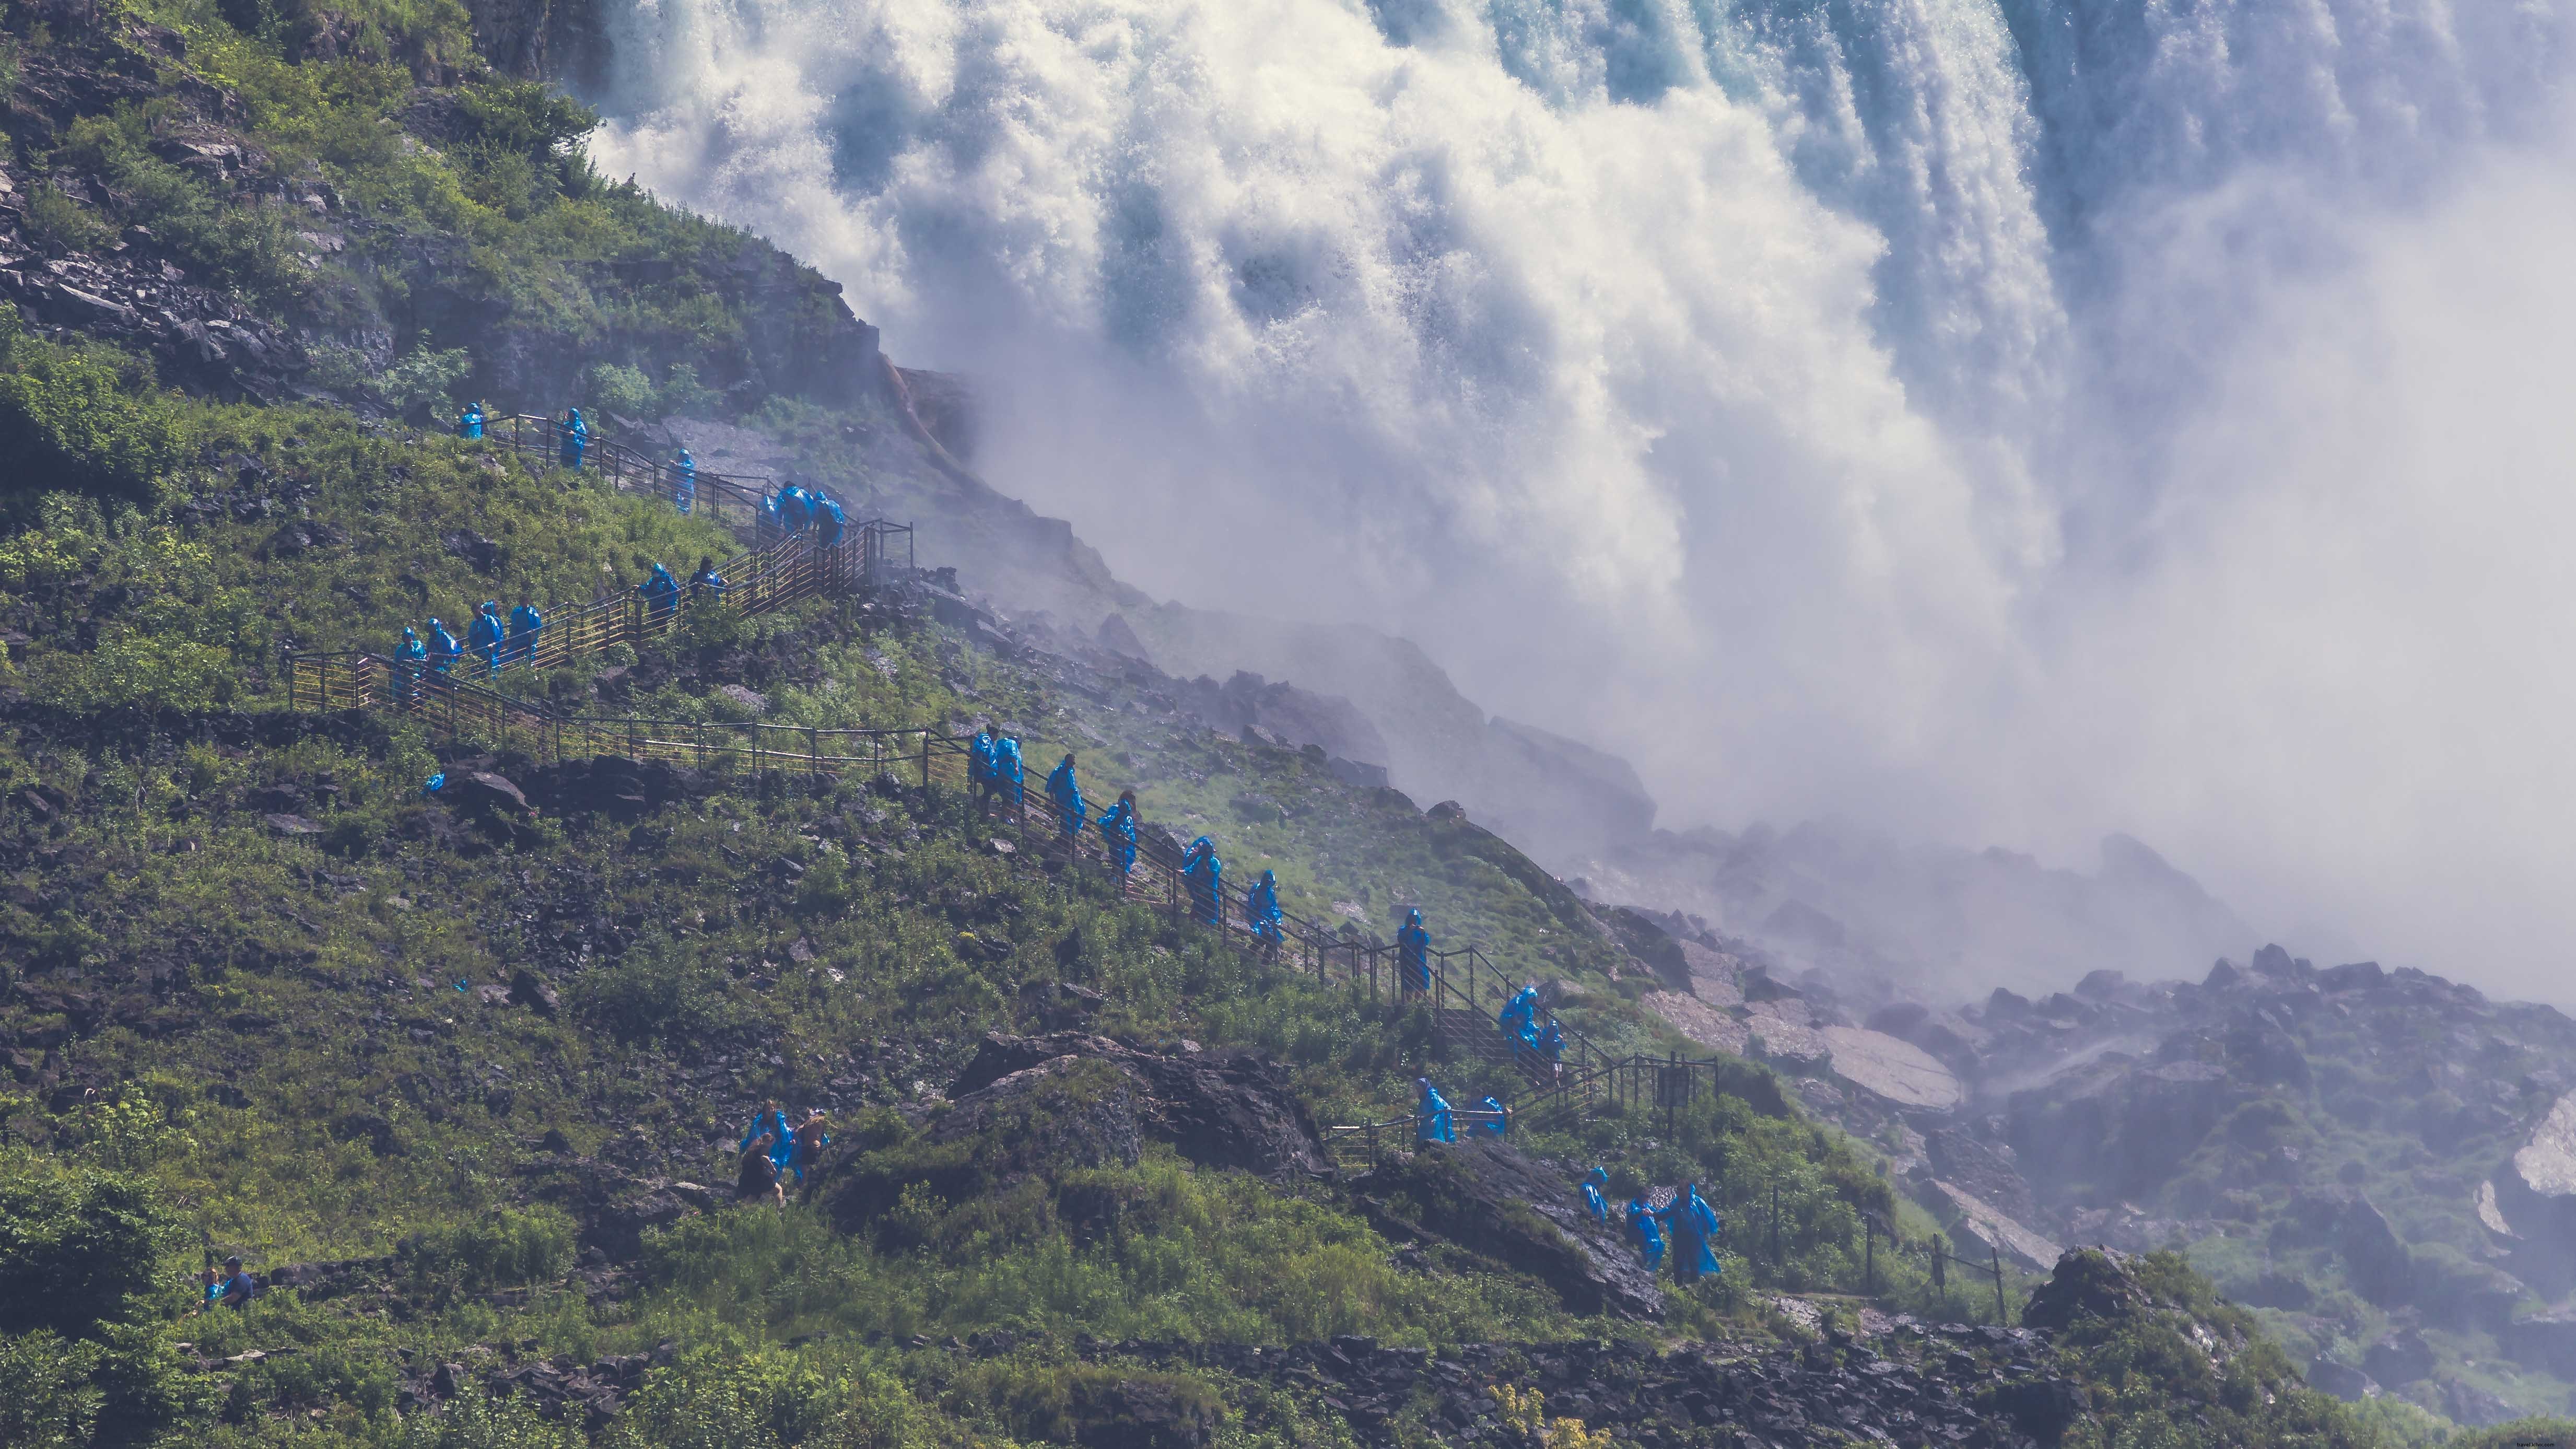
(2008, 420)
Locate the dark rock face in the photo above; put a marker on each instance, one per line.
(1984, 1169)
(2342, 1219)
(613, 1206)
(1919, 1384)
(1102, 1133)
(1220, 1109)
(2120, 1126)
(2401, 1357)
(2341, 1380)
(619, 789)
(1488, 1198)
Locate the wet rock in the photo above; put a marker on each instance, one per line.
(1219, 1108)
(2341, 1380)
(2342, 1219)
(2087, 1283)
(1892, 1070)
(2466, 1404)
(482, 554)
(2399, 1358)
(1488, 1198)
(1700, 1022)
(2119, 1125)
(1984, 1168)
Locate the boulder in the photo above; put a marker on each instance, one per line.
(1782, 1036)
(1219, 1108)
(1894, 1070)
(2117, 1125)
(2400, 1357)
(1983, 1168)
(2469, 1406)
(1051, 1116)
(1489, 1199)
(1976, 1221)
(2341, 1380)
(1694, 1018)
(2344, 1220)
(1715, 976)
(2536, 1194)
(2545, 1341)
(2087, 1283)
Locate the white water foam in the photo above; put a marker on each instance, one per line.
(1993, 421)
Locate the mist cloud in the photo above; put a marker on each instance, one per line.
(1991, 423)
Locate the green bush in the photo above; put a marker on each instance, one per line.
(618, 389)
(47, 1398)
(56, 220)
(78, 1247)
(506, 1250)
(657, 992)
(72, 421)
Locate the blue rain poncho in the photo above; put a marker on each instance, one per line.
(1009, 775)
(684, 488)
(1650, 1238)
(982, 758)
(795, 508)
(1592, 1197)
(707, 580)
(1066, 792)
(1413, 953)
(444, 651)
(829, 521)
(1496, 1122)
(1118, 832)
(1435, 1124)
(1261, 908)
(485, 635)
(526, 624)
(1551, 1041)
(575, 435)
(1519, 1013)
(1694, 1228)
(660, 591)
(782, 1149)
(1206, 876)
(469, 423)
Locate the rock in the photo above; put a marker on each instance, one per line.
(483, 554)
(619, 1231)
(1486, 1197)
(2490, 1214)
(2342, 1219)
(1715, 976)
(2274, 1288)
(487, 793)
(2101, 985)
(291, 825)
(1974, 1219)
(2117, 1126)
(2536, 1194)
(530, 990)
(450, 1380)
(2087, 1283)
(1145, 1413)
(751, 700)
(1894, 1070)
(1219, 1108)
(2341, 1380)
(2043, 1408)
(2472, 1407)
(2545, 1341)
(1119, 637)
(2401, 1357)
(1063, 1116)
(1985, 1169)
(2359, 976)
(1777, 1035)
(620, 788)
(1700, 1022)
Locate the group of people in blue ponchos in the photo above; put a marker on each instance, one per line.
(997, 772)
(489, 637)
(776, 1150)
(798, 508)
(1436, 1121)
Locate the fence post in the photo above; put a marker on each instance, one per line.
(1996, 1258)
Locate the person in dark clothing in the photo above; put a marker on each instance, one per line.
(706, 580)
(810, 1141)
(237, 1288)
(759, 1176)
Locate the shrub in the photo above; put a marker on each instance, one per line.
(657, 992)
(78, 1247)
(505, 1250)
(620, 389)
(47, 1400)
(70, 422)
(54, 219)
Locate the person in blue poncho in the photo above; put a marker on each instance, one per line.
(771, 1122)
(1261, 909)
(1413, 953)
(983, 761)
(411, 660)
(1551, 1047)
(444, 651)
(1205, 874)
(486, 635)
(1592, 1198)
(706, 582)
(661, 594)
(1434, 1124)
(795, 508)
(1694, 1225)
(574, 435)
(1118, 832)
(829, 521)
(1066, 792)
(1496, 1119)
(1650, 1238)
(526, 624)
(469, 423)
(684, 483)
(1010, 775)
(1518, 1016)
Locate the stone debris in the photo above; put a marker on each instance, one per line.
(1697, 1020)
(1898, 1071)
